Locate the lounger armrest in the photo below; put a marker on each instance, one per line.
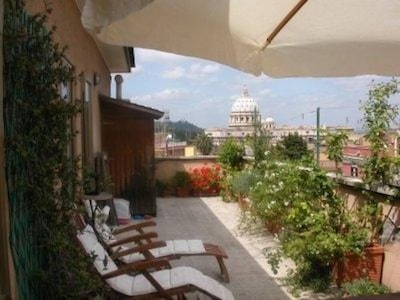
(139, 249)
(136, 227)
(138, 266)
(133, 239)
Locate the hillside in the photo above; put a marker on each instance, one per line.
(181, 130)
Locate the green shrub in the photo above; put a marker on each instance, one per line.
(364, 287)
(244, 180)
(231, 154)
(317, 229)
(181, 179)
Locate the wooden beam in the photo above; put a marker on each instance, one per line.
(283, 23)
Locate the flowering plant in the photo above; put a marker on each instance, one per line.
(206, 179)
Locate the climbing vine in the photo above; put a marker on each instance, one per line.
(41, 176)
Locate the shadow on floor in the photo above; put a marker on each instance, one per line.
(191, 218)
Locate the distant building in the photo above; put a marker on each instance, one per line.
(244, 116)
(242, 119)
(357, 151)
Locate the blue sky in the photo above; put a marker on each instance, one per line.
(202, 92)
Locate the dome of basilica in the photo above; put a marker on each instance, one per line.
(244, 112)
(269, 120)
(244, 104)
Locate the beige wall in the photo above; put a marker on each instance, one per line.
(83, 54)
(167, 167)
(391, 267)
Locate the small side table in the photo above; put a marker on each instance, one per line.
(103, 199)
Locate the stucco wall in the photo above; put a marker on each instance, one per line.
(391, 267)
(167, 167)
(82, 54)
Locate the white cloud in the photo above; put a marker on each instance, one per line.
(357, 83)
(265, 92)
(197, 71)
(162, 96)
(174, 73)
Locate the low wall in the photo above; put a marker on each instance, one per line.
(167, 167)
(391, 213)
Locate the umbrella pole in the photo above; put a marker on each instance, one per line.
(282, 24)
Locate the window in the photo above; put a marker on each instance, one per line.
(354, 171)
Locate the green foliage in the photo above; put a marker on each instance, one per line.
(243, 181)
(41, 176)
(181, 179)
(293, 147)
(364, 287)
(182, 130)
(379, 114)
(161, 186)
(317, 230)
(204, 143)
(335, 141)
(231, 154)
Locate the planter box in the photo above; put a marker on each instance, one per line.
(354, 267)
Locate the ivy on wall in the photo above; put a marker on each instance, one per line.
(41, 176)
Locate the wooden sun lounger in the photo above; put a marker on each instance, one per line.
(210, 249)
(149, 285)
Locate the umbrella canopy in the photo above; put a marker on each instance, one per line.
(280, 38)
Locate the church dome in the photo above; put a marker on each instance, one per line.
(244, 112)
(244, 104)
(269, 120)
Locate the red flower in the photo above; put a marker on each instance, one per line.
(206, 179)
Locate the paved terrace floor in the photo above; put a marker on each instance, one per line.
(214, 221)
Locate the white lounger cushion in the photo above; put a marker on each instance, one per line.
(174, 247)
(139, 285)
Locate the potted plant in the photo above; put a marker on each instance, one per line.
(206, 180)
(182, 183)
(161, 186)
(241, 184)
(378, 117)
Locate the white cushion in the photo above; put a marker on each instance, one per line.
(105, 233)
(90, 206)
(122, 208)
(178, 247)
(139, 285)
(101, 215)
(88, 238)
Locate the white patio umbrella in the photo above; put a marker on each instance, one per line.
(281, 38)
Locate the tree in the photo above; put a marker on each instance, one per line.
(203, 143)
(231, 154)
(293, 147)
(335, 142)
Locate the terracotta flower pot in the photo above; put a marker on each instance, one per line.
(182, 192)
(356, 267)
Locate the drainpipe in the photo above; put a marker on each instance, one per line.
(118, 80)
